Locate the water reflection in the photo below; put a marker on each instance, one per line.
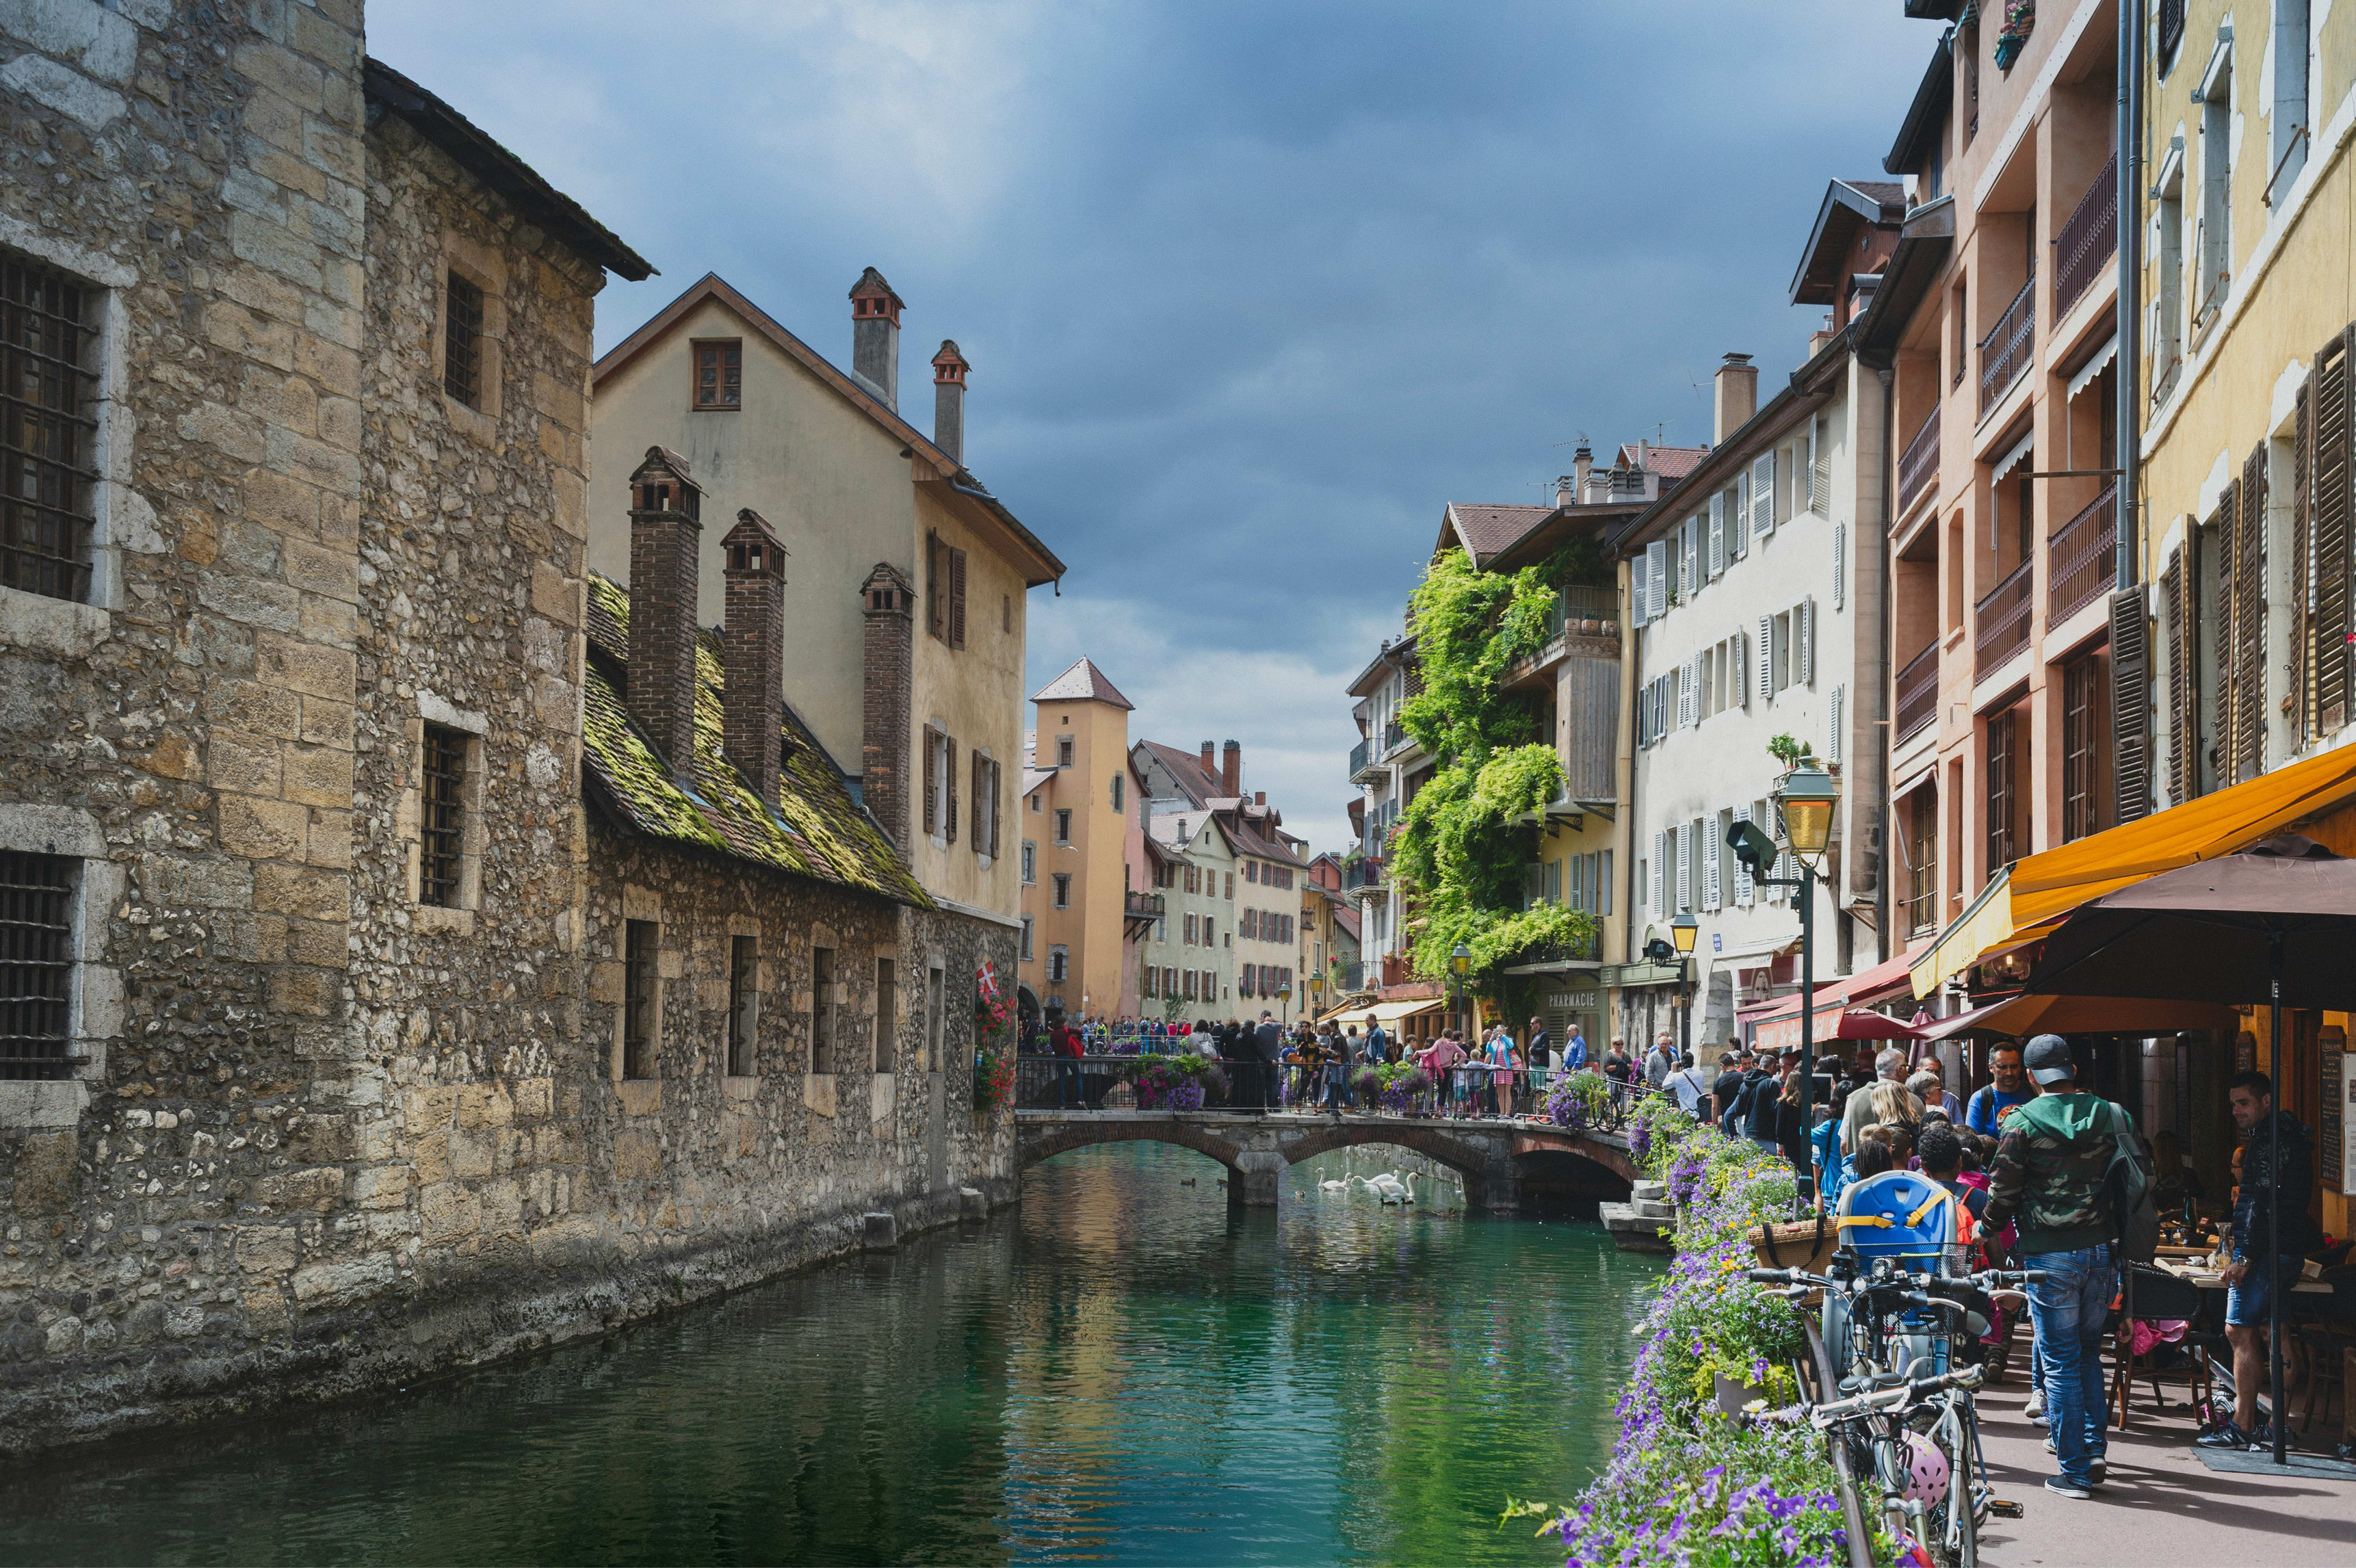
(1122, 1369)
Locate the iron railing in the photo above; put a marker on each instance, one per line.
(1917, 692)
(1588, 1101)
(1582, 603)
(2089, 236)
(1141, 906)
(2002, 620)
(1918, 469)
(1394, 737)
(2083, 556)
(1361, 873)
(1361, 762)
(2005, 351)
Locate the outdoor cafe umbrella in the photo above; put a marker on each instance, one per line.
(2275, 923)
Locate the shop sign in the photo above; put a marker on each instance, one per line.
(1571, 1001)
(2338, 1161)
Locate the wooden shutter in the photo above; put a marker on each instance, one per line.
(1762, 493)
(2183, 700)
(980, 834)
(1710, 887)
(1717, 536)
(1661, 870)
(1738, 540)
(2331, 506)
(2130, 705)
(1745, 892)
(1840, 565)
(1657, 570)
(937, 620)
(1820, 461)
(2302, 568)
(1738, 660)
(1766, 658)
(2249, 717)
(948, 780)
(1740, 495)
(1685, 867)
(1805, 622)
(1833, 726)
(932, 778)
(957, 598)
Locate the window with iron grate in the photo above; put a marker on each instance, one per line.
(462, 342)
(639, 991)
(47, 430)
(36, 963)
(441, 854)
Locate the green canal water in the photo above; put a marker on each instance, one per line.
(1121, 1370)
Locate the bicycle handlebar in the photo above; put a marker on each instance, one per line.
(1895, 1396)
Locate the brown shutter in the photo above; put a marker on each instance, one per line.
(997, 805)
(2227, 528)
(2130, 705)
(2333, 507)
(2250, 622)
(932, 778)
(980, 834)
(2302, 569)
(936, 590)
(2183, 740)
(948, 777)
(957, 598)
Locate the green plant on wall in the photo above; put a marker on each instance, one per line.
(1458, 848)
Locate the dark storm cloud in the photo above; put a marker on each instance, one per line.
(1251, 290)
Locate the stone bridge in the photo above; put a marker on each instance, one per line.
(1500, 1161)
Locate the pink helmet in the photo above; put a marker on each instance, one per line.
(1926, 1471)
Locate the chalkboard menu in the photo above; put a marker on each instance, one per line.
(2337, 1086)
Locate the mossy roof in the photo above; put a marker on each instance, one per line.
(813, 830)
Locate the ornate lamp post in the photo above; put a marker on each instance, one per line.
(1683, 932)
(1806, 798)
(1284, 999)
(1460, 963)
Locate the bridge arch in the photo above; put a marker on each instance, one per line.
(1475, 1162)
(1090, 1133)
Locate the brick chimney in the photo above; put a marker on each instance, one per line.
(875, 336)
(886, 600)
(949, 370)
(753, 651)
(1738, 395)
(1259, 797)
(1210, 759)
(1231, 771)
(665, 533)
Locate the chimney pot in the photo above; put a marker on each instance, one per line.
(753, 652)
(1210, 759)
(1259, 797)
(885, 601)
(664, 539)
(1738, 395)
(875, 336)
(1231, 770)
(949, 369)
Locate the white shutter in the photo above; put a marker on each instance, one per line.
(1685, 867)
(1717, 536)
(1833, 727)
(1739, 667)
(1807, 619)
(1840, 564)
(1805, 480)
(1745, 893)
(1710, 857)
(1766, 658)
(1820, 455)
(1738, 543)
(1640, 599)
(1603, 882)
(1763, 493)
(1660, 870)
(1656, 575)
(1693, 566)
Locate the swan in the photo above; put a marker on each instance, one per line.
(1334, 1186)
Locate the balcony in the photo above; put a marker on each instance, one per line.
(2005, 352)
(1918, 469)
(1362, 875)
(1349, 978)
(1365, 767)
(2083, 556)
(2003, 620)
(1592, 611)
(1395, 736)
(1140, 911)
(1587, 950)
(2089, 237)
(1918, 693)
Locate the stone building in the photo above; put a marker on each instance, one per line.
(321, 1068)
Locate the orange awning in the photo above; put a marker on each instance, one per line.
(2019, 907)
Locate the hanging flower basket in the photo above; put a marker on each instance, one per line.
(993, 1079)
(2020, 21)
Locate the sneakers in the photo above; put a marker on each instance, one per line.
(2064, 1487)
(2098, 1470)
(2035, 1408)
(2224, 1435)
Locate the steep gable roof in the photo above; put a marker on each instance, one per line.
(1083, 683)
(812, 829)
(1484, 529)
(1185, 769)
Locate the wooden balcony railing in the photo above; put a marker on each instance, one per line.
(1918, 469)
(2084, 557)
(2005, 352)
(1918, 693)
(2089, 237)
(2002, 620)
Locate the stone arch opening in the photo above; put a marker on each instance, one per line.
(1476, 1164)
(1560, 1182)
(1030, 1149)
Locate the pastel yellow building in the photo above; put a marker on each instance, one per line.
(1079, 801)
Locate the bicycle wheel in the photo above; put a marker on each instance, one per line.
(1955, 1523)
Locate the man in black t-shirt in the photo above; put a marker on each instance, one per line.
(1728, 1085)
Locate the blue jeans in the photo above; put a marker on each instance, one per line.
(2069, 1308)
(1337, 1086)
(2246, 1303)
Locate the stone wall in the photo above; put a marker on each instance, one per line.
(320, 1136)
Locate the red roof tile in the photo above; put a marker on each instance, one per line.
(1486, 530)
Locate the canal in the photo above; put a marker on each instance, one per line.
(1120, 1370)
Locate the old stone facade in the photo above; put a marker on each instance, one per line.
(330, 1091)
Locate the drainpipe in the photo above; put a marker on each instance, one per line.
(2129, 457)
(1631, 684)
(1885, 657)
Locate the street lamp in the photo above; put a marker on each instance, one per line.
(1460, 963)
(1284, 999)
(1806, 797)
(1682, 931)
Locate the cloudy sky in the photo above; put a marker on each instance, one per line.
(1251, 290)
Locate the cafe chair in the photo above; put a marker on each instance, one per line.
(2159, 1295)
(2319, 1342)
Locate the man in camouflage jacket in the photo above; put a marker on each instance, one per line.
(2048, 1177)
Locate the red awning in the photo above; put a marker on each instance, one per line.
(1884, 980)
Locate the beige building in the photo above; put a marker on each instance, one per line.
(1080, 798)
(1189, 953)
(872, 513)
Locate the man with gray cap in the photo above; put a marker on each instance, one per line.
(2049, 1176)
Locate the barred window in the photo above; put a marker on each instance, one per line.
(742, 1004)
(36, 963)
(46, 431)
(461, 342)
(720, 376)
(822, 1009)
(442, 853)
(638, 998)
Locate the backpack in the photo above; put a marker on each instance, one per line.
(2127, 1185)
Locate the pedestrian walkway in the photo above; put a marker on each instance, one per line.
(2159, 1505)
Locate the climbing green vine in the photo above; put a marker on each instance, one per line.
(1458, 848)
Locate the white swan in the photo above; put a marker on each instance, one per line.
(1334, 1186)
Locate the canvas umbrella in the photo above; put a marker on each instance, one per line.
(2275, 923)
